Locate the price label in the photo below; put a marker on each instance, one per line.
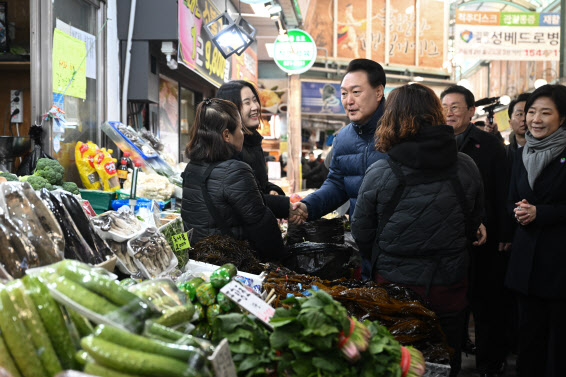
(247, 299)
(181, 241)
(222, 362)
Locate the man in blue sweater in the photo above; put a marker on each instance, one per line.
(354, 151)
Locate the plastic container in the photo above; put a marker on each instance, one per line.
(99, 200)
(206, 269)
(118, 237)
(156, 270)
(163, 293)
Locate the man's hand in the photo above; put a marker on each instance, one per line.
(491, 128)
(298, 213)
(525, 213)
(481, 235)
(504, 246)
(273, 192)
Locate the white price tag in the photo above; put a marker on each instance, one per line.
(247, 299)
(222, 362)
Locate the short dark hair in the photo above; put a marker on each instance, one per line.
(232, 91)
(408, 108)
(557, 93)
(459, 89)
(523, 97)
(212, 118)
(374, 70)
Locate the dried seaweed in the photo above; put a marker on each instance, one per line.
(399, 309)
(219, 249)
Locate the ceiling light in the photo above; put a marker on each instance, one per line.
(418, 78)
(539, 83)
(505, 100)
(231, 38)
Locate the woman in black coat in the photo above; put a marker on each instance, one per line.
(537, 267)
(244, 95)
(417, 211)
(220, 193)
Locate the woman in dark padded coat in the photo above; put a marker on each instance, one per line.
(416, 212)
(220, 193)
(244, 95)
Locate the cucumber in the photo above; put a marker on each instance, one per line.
(82, 324)
(177, 315)
(82, 357)
(18, 339)
(53, 320)
(93, 302)
(162, 331)
(6, 360)
(103, 285)
(140, 343)
(30, 317)
(96, 369)
(124, 359)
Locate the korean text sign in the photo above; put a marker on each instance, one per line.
(508, 36)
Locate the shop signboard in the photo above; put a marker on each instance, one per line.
(196, 49)
(321, 98)
(508, 35)
(244, 67)
(69, 68)
(294, 52)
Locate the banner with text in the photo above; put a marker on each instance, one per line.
(196, 49)
(508, 36)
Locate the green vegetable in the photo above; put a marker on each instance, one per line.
(225, 303)
(71, 187)
(220, 277)
(127, 360)
(231, 269)
(189, 290)
(82, 357)
(206, 294)
(173, 228)
(203, 330)
(128, 282)
(196, 282)
(166, 334)
(9, 176)
(212, 312)
(31, 320)
(18, 339)
(53, 321)
(177, 315)
(6, 360)
(96, 369)
(200, 311)
(81, 323)
(51, 170)
(141, 343)
(37, 182)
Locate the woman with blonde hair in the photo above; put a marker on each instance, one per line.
(417, 212)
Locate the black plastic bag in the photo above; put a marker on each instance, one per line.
(321, 230)
(27, 167)
(325, 260)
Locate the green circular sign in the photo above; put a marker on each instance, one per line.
(294, 52)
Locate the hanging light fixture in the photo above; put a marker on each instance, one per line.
(233, 36)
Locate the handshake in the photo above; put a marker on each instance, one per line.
(298, 213)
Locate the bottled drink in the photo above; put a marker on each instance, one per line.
(122, 172)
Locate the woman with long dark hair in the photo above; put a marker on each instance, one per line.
(537, 199)
(245, 96)
(417, 212)
(220, 193)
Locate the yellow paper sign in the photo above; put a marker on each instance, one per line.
(68, 53)
(181, 241)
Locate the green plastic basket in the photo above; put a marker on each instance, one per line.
(99, 200)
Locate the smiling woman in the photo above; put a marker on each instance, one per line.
(537, 200)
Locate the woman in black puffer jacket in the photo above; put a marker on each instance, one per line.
(416, 212)
(220, 193)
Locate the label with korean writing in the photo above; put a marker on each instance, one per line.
(247, 299)
(222, 362)
(181, 241)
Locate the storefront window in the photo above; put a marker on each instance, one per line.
(187, 118)
(169, 116)
(79, 19)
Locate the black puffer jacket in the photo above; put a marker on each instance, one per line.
(239, 203)
(252, 154)
(424, 242)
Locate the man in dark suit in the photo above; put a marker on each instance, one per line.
(488, 261)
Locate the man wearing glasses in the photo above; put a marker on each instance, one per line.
(488, 265)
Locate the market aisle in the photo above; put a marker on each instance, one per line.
(469, 366)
